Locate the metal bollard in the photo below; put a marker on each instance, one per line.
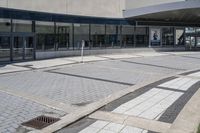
(82, 50)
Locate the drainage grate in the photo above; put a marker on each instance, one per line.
(40, 122)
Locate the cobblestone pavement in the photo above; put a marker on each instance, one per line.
(80, 84)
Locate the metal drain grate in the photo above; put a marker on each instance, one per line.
(40, 122)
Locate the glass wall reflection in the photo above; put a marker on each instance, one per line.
(63, 39)
(45, 35)
(141, 36)
(81, 32)
(5, 28)
(98, 35)
(112, 36)
(127, 36)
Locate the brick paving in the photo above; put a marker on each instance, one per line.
(15, 110)
(81, 84)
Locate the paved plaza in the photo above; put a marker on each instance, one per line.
(58, 87)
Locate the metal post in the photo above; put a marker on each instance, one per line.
(82, 50)
(134, 37)
(90, 43)
(73, 35)
(105, 37)
(11, 41)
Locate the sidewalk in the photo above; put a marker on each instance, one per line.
(129, 89)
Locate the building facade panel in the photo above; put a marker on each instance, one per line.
(132, 4)
(97, 8)
(52, 6)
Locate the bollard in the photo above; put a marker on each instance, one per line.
(82, 48)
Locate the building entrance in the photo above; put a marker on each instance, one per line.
(23, 47)
(192, 41)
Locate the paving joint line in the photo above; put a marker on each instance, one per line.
(171, 89)
(92, 78)
(25, 66)
(139, 63)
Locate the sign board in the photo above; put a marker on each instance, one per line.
(155, 36)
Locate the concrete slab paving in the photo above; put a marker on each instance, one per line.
(189, 118)
(128, 120)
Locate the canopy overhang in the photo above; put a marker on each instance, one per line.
(176, 13)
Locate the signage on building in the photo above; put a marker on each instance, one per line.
(155, 36)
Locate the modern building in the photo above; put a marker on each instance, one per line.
(35, 29)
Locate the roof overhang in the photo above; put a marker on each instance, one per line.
(186, 12)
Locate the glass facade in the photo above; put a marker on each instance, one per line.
(45, 35)
(167, 36)
(192, 38)
(81, 32)
(5, 28)
(22, 26)
(63, 37)
(112, 36)
(98, 33)
(141, 36)
(128, 36)
(21, 39)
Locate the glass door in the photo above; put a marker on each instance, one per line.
(23, 47)
(28, 47)
(18, 45)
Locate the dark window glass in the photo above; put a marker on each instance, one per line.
(81, 32)
(45, 35)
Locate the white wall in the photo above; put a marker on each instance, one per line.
(100, 8)
(107, 8)
(3, 3)
(56, 6)
(131, 4)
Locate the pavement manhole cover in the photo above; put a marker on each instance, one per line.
(40, 122)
